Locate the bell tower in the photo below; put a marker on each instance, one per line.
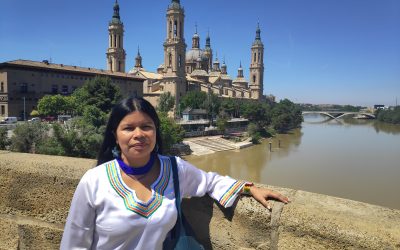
(257, 67)
(174, 45)
(174, 52)
(115, 52)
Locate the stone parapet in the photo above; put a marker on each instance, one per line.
(36, 191)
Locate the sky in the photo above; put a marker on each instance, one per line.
(316, 51)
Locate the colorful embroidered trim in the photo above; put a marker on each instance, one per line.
(231, 192)
(144, 210)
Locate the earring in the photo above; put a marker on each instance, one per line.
(115, 152)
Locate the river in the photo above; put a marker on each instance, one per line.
(353, 159)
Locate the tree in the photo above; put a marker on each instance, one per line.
(4, 141)
(166, 102)
(52, 105)
(28, 136)
(99, 92)
(286, 115)
(171, 132)
(193, 99)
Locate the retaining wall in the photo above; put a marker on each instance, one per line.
(36, 191)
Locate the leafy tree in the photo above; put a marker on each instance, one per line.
(171, 132)
(212, 104)
(193, 99)
(34, 113)
(28, 136)
(52, 105)
(286, 115)
(253, 133)
(166, 102)
(257, 112)
(99, 92)
(4, 141)
(222, 121)
(78, 139)
(389, 116)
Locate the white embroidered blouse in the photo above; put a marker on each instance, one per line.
(106, 214)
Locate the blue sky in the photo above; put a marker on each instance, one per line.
(316, 51)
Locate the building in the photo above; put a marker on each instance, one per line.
(196, 69)
(23, 83)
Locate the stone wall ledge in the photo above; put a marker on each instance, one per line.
(36, 191)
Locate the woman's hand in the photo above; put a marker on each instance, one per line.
(262, 194)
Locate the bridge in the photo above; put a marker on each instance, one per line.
(340, 114)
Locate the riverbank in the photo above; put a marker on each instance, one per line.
(211, 144)
(37, 190)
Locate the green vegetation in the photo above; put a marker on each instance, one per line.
(83, 134)
(330, 107)
(265, 118)
(389, 116)
(166, 102)
(4, 141)
(171, 132)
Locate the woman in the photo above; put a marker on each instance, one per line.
(128, 201)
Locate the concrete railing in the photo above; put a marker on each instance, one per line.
(36, 191)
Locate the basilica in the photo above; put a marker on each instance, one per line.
(183, 69)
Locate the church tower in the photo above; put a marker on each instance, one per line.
(138, 60)
(115, 52)
(208, 53)
(257, 67)
(175, 51)
(174, 45)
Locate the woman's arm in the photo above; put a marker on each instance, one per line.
(224, 189)
(79, 228)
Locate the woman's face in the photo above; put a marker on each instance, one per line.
(136, 137)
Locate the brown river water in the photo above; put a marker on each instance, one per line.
(353, 159)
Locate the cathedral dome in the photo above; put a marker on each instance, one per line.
(193, 54)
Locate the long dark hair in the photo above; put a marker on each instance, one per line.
(125, 107)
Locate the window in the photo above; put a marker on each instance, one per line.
(175, 28)
(170, 28)
(259, 56)
(3, 110)
(2, 87)
(179, 61)
(115, 41)
(255, 57)
(23, 87)
(54, 89)
(254, 78)
(64, 89)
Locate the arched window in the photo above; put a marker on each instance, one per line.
(110, 40)
(259, 57)
(170, 29)
(180, 29)
(115, 41)
(170, 60)
(175, 28)
(254, 78)
(179, 61)
(255, 57)
(2, 87)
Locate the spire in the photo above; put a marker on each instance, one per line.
(196, 39)
(257, 41)
(116, 18)
(175, 4)
(138, 60)
(258, 32)
(208, 40)
(240, 71)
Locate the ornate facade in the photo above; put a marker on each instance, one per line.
(196, 69)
